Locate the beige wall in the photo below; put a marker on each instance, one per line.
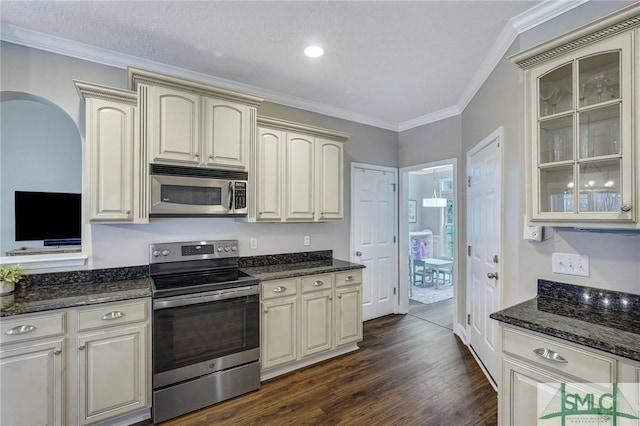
(49, 76)
(615, 259)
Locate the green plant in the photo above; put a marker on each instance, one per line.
(11, 274)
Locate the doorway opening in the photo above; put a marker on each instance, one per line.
(428, 241)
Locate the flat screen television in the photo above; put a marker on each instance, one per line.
(54, 217)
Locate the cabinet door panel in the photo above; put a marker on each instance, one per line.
(175, 124)
(226, 134)
(330, 180)
(31, 381)
(279, 331)
(348, 315)
(316, 322)
(270, 149)
(299, 177)
(110, 146)
(112, 372)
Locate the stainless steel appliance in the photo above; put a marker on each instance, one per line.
(206, 326)
(191, 191)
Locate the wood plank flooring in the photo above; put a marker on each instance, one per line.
(439, 313)
(407, 372)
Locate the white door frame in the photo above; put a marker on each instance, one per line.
(352, 246)
(499, 134)
(403, 256)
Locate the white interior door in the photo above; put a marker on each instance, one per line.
(484, 237)
(373, 236)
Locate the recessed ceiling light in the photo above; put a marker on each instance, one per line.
(314, 51)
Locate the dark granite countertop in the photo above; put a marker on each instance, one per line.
(44, 292)
(600, 319)
(289, 270)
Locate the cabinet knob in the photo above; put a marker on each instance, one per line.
(57, 352)
(127, 212)
(211, 157)
(196, 155)
(625, 208)
(81, 347)
(339, 296)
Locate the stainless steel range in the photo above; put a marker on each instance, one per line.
(206, 327)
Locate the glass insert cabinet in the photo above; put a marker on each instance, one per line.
(579, 117)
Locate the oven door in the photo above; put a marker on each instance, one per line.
(194, 336)
(181, 195)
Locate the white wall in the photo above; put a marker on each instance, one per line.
(49, 75)
(40, 151)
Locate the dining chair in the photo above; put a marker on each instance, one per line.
(420, 269)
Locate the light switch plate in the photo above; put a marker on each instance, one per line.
(307, 240)
(254, 243)
(570, 264)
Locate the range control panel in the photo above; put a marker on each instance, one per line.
(192, 250)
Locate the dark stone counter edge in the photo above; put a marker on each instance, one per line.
(269, 276)
(569, 337)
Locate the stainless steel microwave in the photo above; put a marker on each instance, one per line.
(184, 191)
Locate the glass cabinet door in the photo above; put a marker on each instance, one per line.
(582, 144)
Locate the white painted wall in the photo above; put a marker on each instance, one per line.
(50, 76)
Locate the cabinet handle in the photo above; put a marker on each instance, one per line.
(330, 297)
(339, 296)
(266, 311)
(625, 208)
(81, 348)
(127, 212)
(280, 289)
(113, 315)
(550, 355)
(57, 352)
(196, 155)
(20, 329)
(317, 283)
(211, 157)
(349, 278)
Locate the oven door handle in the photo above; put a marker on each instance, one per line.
(191, 299)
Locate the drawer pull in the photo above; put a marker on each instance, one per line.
(280, 289)
(550, 355)
(20, 329)
(57, 352)
(317, 283)
(113, 315)
(349, 278)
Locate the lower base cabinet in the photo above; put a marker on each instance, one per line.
(308, 319)
(530, 382)
(76, 366)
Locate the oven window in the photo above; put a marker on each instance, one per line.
(191, 195)
(190, 334)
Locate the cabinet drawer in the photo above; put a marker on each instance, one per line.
(278, 288)
(112, 314)
(316, 282)
(349, 277)
(27, 327)
(586, 366)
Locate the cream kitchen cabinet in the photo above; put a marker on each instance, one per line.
(279, 325)
(297, 173)
(116, 178)
(582, 138)
(31, 370)
(530, 360)
(309, 319)
(76, 366)
(193, 124)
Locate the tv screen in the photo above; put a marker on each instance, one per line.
(47, 216)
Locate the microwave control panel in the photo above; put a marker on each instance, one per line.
(240, 191)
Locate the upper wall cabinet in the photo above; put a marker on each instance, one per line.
(582, 143)
(192, 124)
(115, 178)
(297, 173)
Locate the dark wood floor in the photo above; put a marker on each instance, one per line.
(407, 372)
(439, 313)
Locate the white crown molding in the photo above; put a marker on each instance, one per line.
(531, 18)
(442, 114)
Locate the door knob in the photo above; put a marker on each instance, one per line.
(358, 253)
(492, 275)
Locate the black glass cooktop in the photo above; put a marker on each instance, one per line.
(168, 285)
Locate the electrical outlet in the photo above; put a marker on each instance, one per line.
(254, 243)
(570, 264)
(307, 240)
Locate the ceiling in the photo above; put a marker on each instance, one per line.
(395, 65)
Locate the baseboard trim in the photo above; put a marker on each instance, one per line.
(279, 371)
(493, 384)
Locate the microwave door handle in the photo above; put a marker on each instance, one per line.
(230, 207)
